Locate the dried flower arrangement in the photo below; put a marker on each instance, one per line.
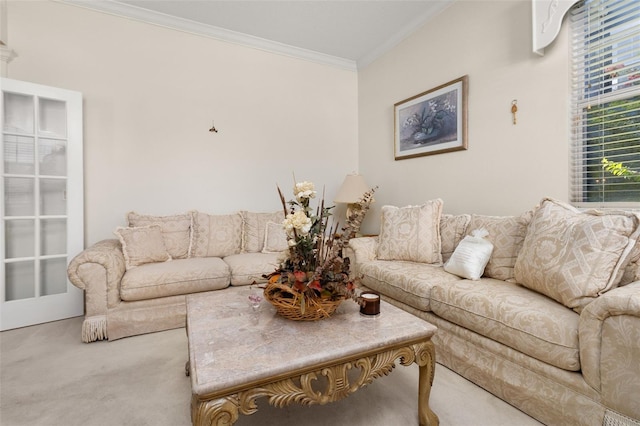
(314, 271)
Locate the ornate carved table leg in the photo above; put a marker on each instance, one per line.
(425, 358)
(217, 412)
(225, 411)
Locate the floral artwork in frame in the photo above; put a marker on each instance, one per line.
(432, 122)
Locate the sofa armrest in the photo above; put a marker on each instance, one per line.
(609, 332)
(98, 271)
(364, 249)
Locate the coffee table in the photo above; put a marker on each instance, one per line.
(238, 354)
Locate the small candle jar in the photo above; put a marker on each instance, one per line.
(369, 304)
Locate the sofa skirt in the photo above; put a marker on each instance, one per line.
(546, 393)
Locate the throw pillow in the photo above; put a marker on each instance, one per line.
(632, 271)
(573, 256)
(506, 233)
(254, 227)
(141, 245)
(471, 256)
(452, 230)
(216, 235)
(176, 231)
(411, 233)
(275, 238)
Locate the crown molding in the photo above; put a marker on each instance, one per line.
(409, 29)
(186, 25)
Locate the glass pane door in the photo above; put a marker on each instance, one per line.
(41, 216)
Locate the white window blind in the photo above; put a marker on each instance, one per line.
(605, 77)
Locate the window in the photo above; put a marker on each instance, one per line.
(605, 78)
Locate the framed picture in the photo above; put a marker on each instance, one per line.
(432, 122)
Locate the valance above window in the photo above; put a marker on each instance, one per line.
(547, 18)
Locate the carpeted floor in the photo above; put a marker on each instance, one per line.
(49, 377)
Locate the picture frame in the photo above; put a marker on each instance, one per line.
(432, 122)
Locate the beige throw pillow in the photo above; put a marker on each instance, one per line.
(452, 231)
(176, 231)
(142, 245)
(573, 256)
(411, 233)
(632, 271)
(275, 238)
(216, 235)
(254, 228)
(506, 233)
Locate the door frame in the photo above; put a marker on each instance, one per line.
(40, 309)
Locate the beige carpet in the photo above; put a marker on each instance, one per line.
(48, 377)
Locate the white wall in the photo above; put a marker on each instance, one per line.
(150, 95)
(507, 169)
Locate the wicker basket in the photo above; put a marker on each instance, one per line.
(290, 306)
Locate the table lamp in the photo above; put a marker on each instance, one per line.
(351, 191)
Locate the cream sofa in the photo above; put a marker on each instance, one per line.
(138, 283)
(553, 326)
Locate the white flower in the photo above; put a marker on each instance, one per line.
(298, 221)
(304, 190)
(412, 120)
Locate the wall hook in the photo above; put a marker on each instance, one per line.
(213, 127)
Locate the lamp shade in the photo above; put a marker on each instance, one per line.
(351, 190)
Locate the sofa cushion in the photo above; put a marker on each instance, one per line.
(573, 256)
(452, 230)
(506, 233)
(513, 315)
(181, 276)
(254, 229)
(216, 235)
(249, 268)
(407, 282)
(411, 233)
(176, 231)
(143, 244)
(275, 238)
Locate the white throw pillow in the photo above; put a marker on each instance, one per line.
(452, 231)
(471, 256)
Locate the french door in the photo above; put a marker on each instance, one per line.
(42, 202)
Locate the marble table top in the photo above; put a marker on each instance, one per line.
(233, 346)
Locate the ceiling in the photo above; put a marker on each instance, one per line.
(344, 33)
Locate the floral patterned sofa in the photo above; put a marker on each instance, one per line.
(553, 325)
(138, 283)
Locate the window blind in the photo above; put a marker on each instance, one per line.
(605, 102)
